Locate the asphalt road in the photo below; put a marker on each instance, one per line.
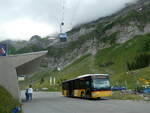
(55, 103)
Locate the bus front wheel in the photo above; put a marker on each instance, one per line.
(82, 94)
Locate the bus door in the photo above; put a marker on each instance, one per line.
(88, 87)
(71, 88)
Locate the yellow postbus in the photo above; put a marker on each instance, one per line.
(88, 86)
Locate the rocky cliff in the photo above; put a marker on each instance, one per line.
(103, 33)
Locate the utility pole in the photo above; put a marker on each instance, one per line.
(54, 81)
(126, 84)
(50, 81)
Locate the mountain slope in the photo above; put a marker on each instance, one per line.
(103, 33)
(113, 60)
(117, 44)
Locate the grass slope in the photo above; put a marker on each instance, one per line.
(7, 102)
(83, 65)
(120, 55)
(111, 60)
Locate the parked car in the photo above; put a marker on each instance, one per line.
(146, 90)
(118, 88)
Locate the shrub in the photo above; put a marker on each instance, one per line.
(7, 102)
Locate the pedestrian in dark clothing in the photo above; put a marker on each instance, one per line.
(27, 95)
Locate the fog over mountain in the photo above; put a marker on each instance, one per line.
(21, 19)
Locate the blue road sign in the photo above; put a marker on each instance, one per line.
(3, 50)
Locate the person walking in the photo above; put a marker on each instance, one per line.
(26, 94)
(30, 92)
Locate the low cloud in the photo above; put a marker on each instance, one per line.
(43, 17)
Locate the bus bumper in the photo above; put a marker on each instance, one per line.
(99, 94)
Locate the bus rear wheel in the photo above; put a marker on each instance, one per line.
(99, 98)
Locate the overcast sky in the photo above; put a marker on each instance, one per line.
(21, 19)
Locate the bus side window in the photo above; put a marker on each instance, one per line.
(76, 86)
(63, 86)
(82, 84)
(87, 83)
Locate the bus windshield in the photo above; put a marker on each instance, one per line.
(100, 83)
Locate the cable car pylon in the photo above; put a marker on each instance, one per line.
(62, 35)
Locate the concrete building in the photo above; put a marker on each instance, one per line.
(11, 66)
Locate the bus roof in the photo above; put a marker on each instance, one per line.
(92, 75)
(86, 75)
